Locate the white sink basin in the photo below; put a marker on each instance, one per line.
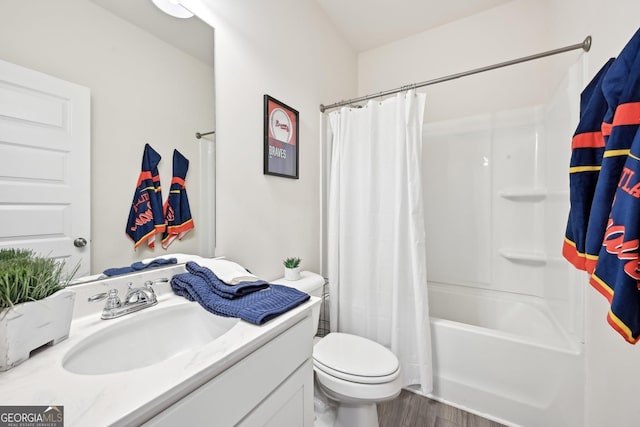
(146, 338)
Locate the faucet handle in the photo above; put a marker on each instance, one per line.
(97, 297)
(149, 283)
(113, 300)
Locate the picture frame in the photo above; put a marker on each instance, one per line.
(281, 139)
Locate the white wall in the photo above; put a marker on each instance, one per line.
(520, 28)
(286, 49)
(142, 90)
(503, 33)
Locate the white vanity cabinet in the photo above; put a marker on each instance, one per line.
(272, 386)
(248, 376)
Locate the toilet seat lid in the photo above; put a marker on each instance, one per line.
(353, 357)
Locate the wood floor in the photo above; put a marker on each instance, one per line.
(412, 410)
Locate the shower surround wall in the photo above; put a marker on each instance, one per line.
(497, 198)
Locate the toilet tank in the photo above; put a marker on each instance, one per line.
(310, 283)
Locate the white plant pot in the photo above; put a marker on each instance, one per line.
(30, 325)
(292, 273)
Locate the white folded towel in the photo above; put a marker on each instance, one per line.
(228, 271)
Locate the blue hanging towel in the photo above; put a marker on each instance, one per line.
(620, 88)
(176, 209)
(146, 218)
(611, 197)
(617, 273)
(587, 148)
(257, 307)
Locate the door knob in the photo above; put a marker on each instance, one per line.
(80, 242)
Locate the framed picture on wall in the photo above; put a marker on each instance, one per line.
(281, 142)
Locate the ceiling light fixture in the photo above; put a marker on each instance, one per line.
(173, 8)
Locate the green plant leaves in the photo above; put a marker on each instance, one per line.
(25, 276)
(292, 262)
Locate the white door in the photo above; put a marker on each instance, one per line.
(45, 165)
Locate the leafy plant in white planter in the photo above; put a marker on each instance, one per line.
(35, 309)
(292, 268)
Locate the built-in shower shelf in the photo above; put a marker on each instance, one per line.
(531, 258)
(524, 194)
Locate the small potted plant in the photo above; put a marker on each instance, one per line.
(35, 307)
(292, 268)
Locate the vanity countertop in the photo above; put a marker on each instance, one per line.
(131, 397)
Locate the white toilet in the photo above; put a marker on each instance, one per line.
(354, 372)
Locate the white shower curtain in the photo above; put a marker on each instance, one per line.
(376, 241)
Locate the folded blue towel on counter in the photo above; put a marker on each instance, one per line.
(139, 265)
(117, 271)
(158, 262)
(220, 287)
(256, 307)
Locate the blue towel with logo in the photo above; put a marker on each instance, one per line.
(221, 288)
(620, 87)
(256, 307)
(146, 218)
(177, 212)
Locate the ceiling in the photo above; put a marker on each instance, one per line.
(189, 35)
(367, 24)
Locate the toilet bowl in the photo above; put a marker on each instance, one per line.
(357, 373)
(353, 372)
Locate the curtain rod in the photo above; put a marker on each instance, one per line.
(200, 135)
(585, 45)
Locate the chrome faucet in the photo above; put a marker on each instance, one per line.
(136, 299)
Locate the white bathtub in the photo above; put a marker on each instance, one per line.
(503, 356)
